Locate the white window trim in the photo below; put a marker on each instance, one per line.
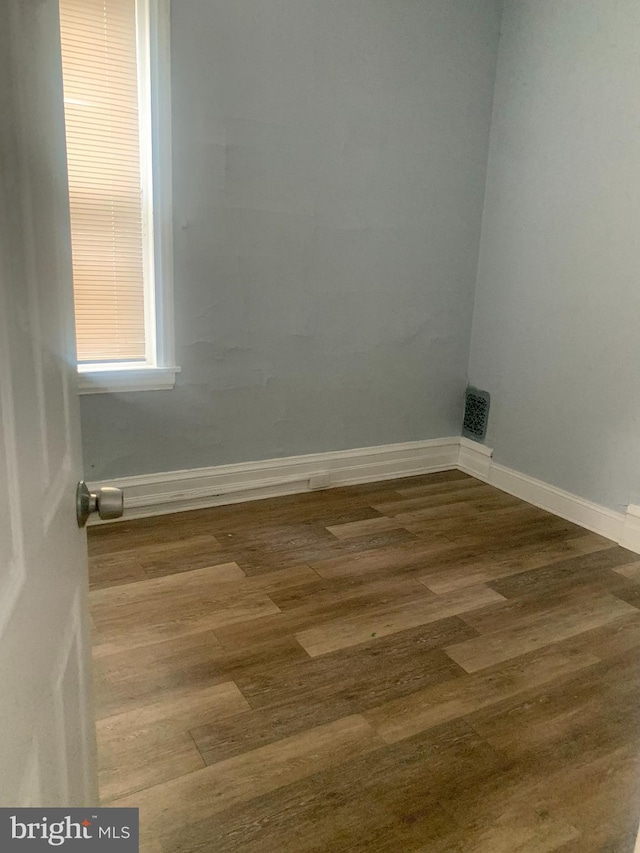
(112, 378)
(159, 371)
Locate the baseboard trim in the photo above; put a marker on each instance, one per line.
(176, 491)
(476, 459)
(631, 529)
(199, 488)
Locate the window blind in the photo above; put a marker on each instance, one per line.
(99, 61)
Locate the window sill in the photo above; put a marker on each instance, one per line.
(130, 379)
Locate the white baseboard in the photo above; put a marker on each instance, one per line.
(631, 529)
(198, 488)
(476, 459)
(174, 491)
(599, 519)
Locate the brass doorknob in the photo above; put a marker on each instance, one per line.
(108, 502)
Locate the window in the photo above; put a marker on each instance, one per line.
(116, 96)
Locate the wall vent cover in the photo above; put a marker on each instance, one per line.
(476, 414)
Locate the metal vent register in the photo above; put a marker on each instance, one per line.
(476, 414)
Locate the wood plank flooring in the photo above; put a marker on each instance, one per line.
(425, 664)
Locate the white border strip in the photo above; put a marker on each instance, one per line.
(476, 459)
(129, 379)
(631, 529)
(174, 491)
(198, 488)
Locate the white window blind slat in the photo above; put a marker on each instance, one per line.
(99, 60)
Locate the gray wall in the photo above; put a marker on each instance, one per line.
(556, 328)
(329, 172)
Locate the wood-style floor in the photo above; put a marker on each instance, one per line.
(418, 665)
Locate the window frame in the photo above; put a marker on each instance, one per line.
(154, 88)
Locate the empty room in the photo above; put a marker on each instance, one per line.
(320, 425)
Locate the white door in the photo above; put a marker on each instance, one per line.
(46, 728)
